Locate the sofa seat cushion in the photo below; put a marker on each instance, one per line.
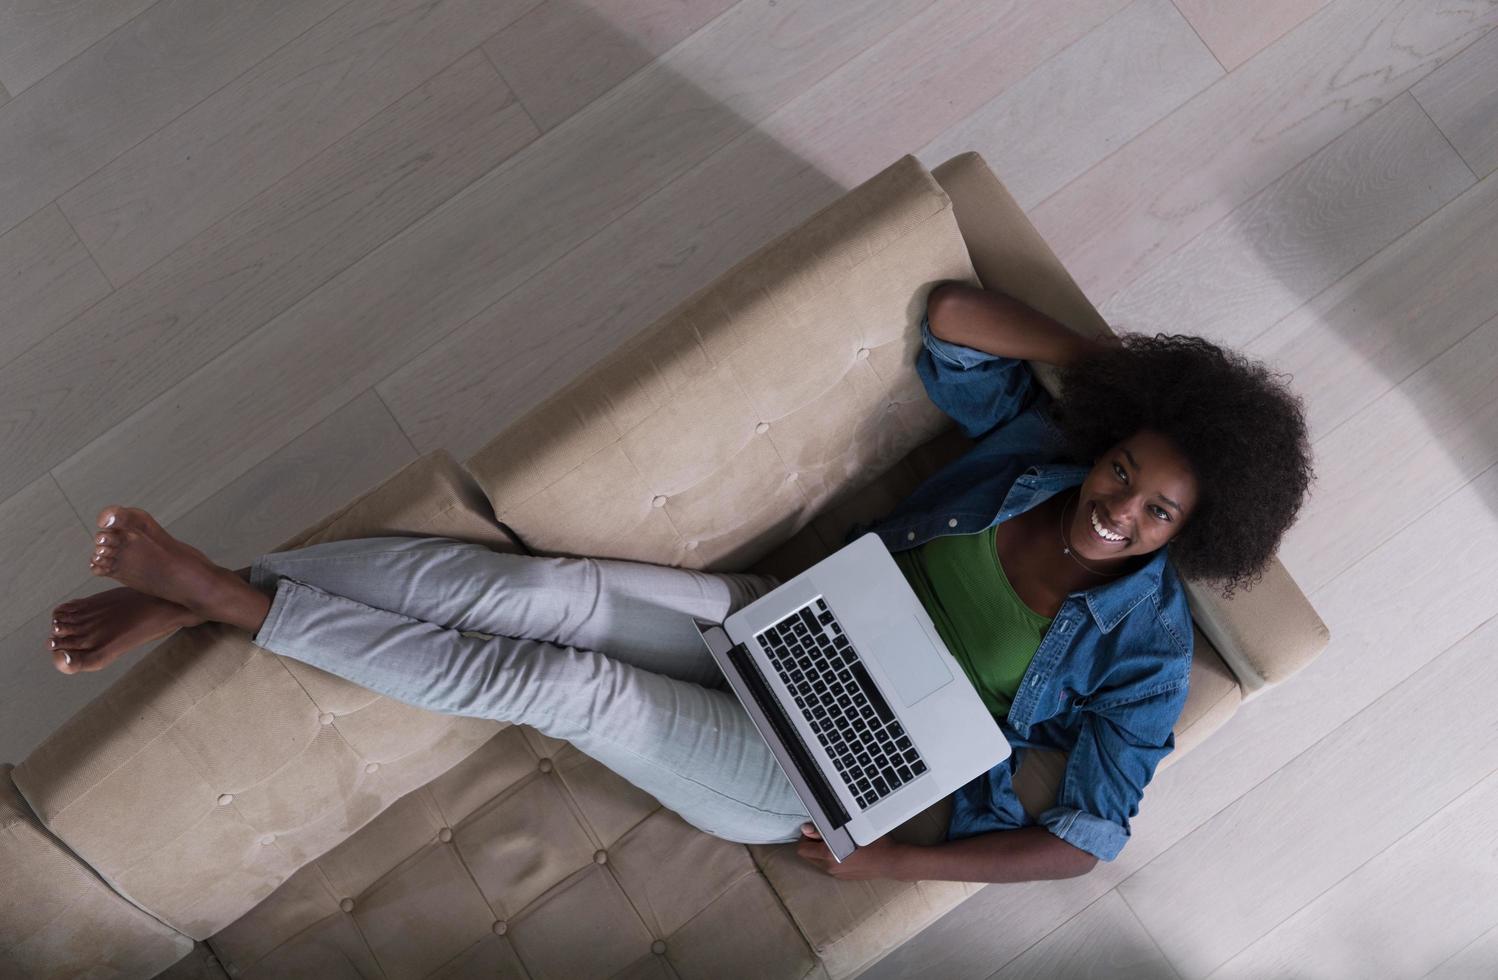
(527, 859)
(212, 770)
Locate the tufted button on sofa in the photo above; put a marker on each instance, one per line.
(296, 825)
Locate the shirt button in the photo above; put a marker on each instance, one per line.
(952, 522)
(910, 536)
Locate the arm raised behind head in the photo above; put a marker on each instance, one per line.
(995, 323)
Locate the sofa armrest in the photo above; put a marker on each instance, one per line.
(1264, 634)
(212, 770)
(58, 918)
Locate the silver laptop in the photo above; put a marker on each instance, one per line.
(845, 676)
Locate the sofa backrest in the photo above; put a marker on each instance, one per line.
(786, 385)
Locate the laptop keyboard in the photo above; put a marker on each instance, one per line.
(847, 713)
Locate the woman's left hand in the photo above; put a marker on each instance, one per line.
(869, 861)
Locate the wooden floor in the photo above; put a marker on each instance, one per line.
(256, 255)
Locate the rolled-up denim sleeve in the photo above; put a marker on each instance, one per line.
(1107, 770)
(978, 390)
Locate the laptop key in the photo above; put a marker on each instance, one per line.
(875, 698)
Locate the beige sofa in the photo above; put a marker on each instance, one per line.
(305, 827)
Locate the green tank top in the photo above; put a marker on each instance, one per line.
(993, 634)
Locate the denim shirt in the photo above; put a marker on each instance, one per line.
(1109, 679)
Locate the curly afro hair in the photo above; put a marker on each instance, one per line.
(1243, 432)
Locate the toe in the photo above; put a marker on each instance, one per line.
(106, 550)
(107, 536)
(110, 516)
(133, 519)
(65, 629)
(79, 643)
(67, 662)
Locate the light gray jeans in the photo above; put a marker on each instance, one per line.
(599, 652)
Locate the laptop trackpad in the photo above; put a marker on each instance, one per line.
(918, 669)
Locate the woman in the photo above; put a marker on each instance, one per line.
(1062, 607)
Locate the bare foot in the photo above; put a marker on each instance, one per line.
(92, 632)
(134, 550)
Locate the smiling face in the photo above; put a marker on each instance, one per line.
(1142, 490)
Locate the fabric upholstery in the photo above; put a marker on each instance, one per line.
(527, 859)
(309, 828)
(58, 919)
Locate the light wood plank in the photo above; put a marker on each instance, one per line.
(1401, 914)
(1416, 444)
(44, 549)
(217, 289)
(128, 85)
(1209, 156)
(931, 73)
(767, 181)
(46, 277)
(1401, 650)
(1300, 234)
(1392, 314)
(1080, 106)
(345, 455)
(353, 450)
(561, 56)
(1104, 940)
(36, 36)
(267, 122)
(475, 248)
(1237, 31)
(1477, 960)
(1462, 97)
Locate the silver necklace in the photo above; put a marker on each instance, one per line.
(1066, 547)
